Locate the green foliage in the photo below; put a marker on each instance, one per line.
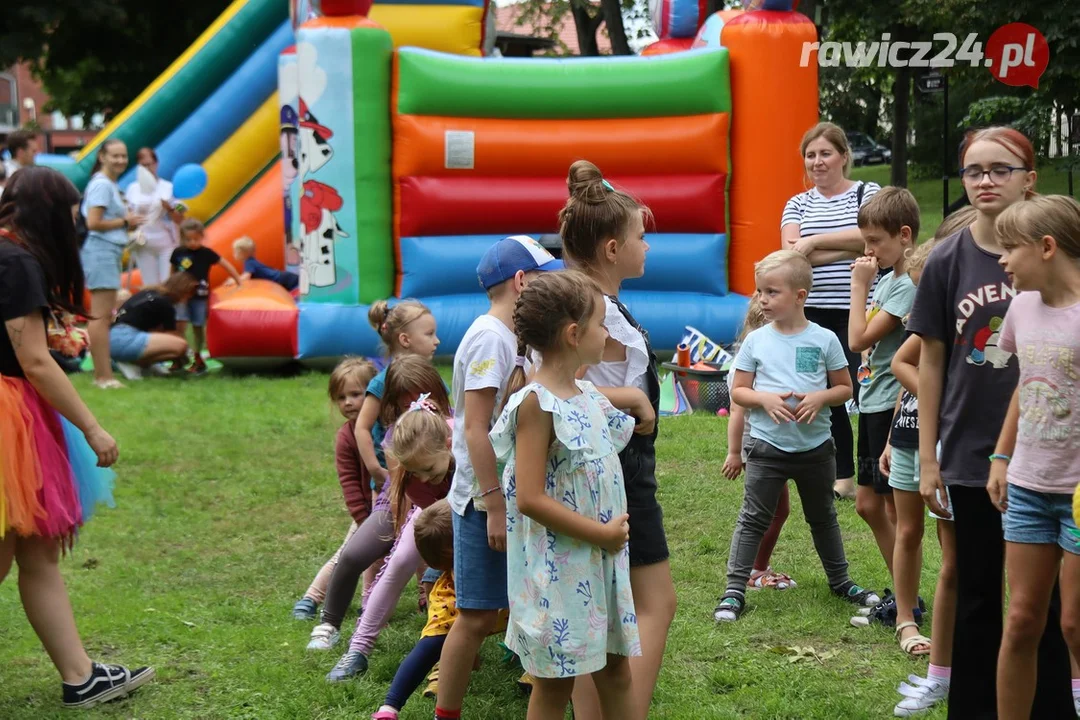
(98, 55)
(547, 16)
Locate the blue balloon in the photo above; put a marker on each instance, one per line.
(189, 181)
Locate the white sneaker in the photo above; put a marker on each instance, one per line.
(920, 696)
(159, 370)
(130, 371)
(324, 637)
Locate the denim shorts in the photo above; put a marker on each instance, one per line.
(193, 311)
(431, 575)
(904, 469)
(127, 343)
(479, 571)
(1038, 518)
(101, 264)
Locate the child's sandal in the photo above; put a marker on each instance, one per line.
(909, 644)
(384, 715)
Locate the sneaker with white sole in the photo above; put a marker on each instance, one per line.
(921, 695)
(324, 637)
(130, 371)
(106, 682)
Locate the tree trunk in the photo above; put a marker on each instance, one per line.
(901, 92)
(586, 26)
(612, 14)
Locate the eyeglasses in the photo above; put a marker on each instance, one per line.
(998, 174)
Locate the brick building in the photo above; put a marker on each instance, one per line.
(22, 104)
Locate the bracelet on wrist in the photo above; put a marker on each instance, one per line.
(485, 493)
(999, 456)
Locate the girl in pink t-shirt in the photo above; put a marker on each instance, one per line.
(1034, 471)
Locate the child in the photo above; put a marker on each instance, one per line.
(399, 385)
(571, 605)
(144, 331)
(889, 223)
(348, 383)
(1036, 453)
(603, 234)
(244, 254)
(483, 364)
(421, 467)
(434, 535)
(788, 374)
(192, 257)
(738, 433)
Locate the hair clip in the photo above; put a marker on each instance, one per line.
(519, 361)
(423, 403)
(606, 184)
(382, 328)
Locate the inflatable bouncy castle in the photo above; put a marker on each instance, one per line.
(397, 154)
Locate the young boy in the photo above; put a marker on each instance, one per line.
(192, 257)
(788, 374)
(244, 254)
(483, 364)
(889, 223)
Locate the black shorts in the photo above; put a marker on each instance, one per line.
(648, 541)
(873, 434)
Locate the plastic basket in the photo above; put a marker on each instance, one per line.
(705, 386)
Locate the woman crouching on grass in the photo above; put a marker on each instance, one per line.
(53, 452)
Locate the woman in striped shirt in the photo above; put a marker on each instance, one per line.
(822, 223)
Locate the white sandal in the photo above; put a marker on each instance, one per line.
(909, 644)
(111, 384)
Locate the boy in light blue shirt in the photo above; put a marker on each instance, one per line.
(788, 374)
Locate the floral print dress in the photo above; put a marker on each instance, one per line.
(570, 601)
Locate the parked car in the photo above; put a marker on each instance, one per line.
(866, 151)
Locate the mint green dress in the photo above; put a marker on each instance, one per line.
(570, 601)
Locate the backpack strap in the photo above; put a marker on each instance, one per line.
(859, 194)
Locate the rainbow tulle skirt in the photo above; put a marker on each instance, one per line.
(49, 479)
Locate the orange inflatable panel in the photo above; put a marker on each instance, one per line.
(259, 213)
(257, 319)
(454, 146)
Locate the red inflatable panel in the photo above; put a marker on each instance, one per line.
(668, 45)
(258, 319)
(497, 205)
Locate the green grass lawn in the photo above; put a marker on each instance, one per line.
(228, 504)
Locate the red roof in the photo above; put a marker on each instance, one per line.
(506, 21)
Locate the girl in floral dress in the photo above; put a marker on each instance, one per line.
(571, 606)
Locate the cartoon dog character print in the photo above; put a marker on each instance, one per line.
(986, 348)
(319, 231)
(314, 149)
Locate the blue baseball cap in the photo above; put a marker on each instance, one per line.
(502, 260)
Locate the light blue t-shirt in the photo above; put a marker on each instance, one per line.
(791, 363)
(376, 388)
(878, 387)
(104, 193)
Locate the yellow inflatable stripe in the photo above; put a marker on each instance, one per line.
(164, 77)
(446, 28)
(239, 159)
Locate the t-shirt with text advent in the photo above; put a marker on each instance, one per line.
(798, 363)
(961, 301)
(1046, 340)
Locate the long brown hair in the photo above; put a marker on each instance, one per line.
(417, 434)
(594, 213)
(35, 209)
(177, 287)
(411, 375)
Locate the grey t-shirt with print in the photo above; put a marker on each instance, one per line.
(961, 300)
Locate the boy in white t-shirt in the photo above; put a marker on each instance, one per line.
(483, 364)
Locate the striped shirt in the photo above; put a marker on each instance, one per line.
(816, 214)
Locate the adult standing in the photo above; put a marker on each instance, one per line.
(107, 222)
(159, 235)
(823, 224)
(966, 383)
(23, 148)
(53, 452)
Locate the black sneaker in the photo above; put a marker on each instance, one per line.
(305, 609)
(729, 609)
(857, 595)
(107, 682)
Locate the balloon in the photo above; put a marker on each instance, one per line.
(188, 181)
(722, 412)
(145, 178)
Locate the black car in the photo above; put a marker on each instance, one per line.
(866, 151)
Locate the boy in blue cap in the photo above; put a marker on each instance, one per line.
(483, 363)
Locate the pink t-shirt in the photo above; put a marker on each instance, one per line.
(1046, 341)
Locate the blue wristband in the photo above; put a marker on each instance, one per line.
(999, 456)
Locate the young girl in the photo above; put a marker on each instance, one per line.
(434, 534)
(405, 380)
(1034, 471)
(571, 606)
(738, 434)
(348, 383)
(603, 234)
(965, 383)
(421, 470)
(53, 453)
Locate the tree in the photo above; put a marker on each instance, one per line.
(546, 16)
(98, 55)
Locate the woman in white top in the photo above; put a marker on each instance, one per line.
(158, 236)
(822, 224)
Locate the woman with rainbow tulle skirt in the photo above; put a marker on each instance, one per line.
(54, 456)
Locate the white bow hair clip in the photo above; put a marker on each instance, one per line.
(423, 403)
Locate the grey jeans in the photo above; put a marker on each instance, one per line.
(768, 468)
